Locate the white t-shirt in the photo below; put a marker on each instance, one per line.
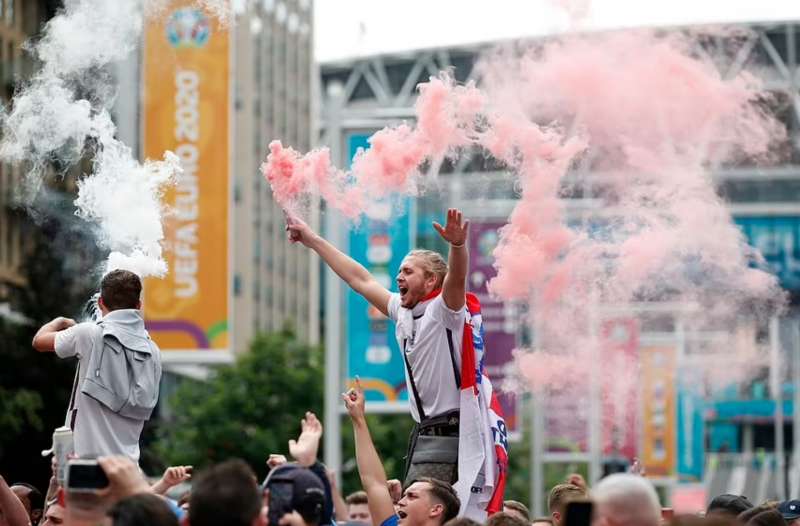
(98, 430)
(428, 354)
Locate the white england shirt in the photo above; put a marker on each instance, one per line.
(423, 330)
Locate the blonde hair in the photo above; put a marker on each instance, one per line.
(432, 263)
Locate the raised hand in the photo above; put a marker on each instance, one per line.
(298, 230)
(275, 460)
(354, 401)
(124, 477)
(453, 231)
(172, 476)
(304, 449)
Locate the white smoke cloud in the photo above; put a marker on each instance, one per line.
(62, 114)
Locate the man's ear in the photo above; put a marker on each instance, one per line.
(436, 510)
(139, 305)
(556, 517)
(431, 282)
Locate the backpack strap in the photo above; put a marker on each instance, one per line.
(417, 399)
(72, 413)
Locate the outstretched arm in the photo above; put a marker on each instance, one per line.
(11, 507)
(455, 233)
(354, 274)
(370, 468)
(45, 339)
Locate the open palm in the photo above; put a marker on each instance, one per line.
(453, 231)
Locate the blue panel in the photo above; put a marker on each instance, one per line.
(691, 435)
(778, 240)
(379, 243)
(724, 437)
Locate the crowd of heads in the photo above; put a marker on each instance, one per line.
(299, 494)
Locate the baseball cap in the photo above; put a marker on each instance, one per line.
(307, 489)
(790, 509)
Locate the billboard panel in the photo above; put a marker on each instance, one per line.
(619, 365)
(659, 410)
(186, 110)
(778, 240)
(499, 320)
(379, 242)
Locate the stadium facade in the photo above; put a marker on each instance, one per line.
(721, 441)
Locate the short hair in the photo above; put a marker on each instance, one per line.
(548, 520)
(445, 494)
(35, 496)
(462, 521)
(746, 515)
(505, 519)
(770, 517)
(226, 493)
(563, 493)
(143, 508)
(432, 263)
(518, 507)
(729, 504)
(121, 289)
(630, 499)
(357, 497)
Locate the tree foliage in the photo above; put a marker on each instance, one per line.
(35, 387)
(247, 410)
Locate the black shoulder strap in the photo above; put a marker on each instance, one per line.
(71, 413)
(453, 357)
(413, 384)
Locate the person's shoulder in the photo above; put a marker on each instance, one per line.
(439, 304)
(393, 520)
(86, 328)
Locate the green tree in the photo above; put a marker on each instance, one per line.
(35, 387)
(248, 409)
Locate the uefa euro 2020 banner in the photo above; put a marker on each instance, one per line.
(186, 110)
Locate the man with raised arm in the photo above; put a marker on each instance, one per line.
(430, 317)
(426, 502)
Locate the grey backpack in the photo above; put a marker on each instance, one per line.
(124, 372)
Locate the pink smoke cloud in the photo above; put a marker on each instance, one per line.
(636, 116)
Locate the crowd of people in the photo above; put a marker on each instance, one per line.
(456, 462)
(300, 491)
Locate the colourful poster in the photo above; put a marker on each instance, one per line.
(499, 320)
(379, 242)
(659, 410)
(186, 111)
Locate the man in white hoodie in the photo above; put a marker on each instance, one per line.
(430, 315)
(119, 372)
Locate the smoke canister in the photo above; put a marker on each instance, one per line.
(63, 448)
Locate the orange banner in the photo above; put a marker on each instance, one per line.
(186, 110)
(658, 410)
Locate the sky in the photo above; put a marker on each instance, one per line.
(353, 28)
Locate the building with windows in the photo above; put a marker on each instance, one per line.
(19, 20)
(274, 282)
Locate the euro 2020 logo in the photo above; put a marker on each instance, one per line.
(188, 28)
